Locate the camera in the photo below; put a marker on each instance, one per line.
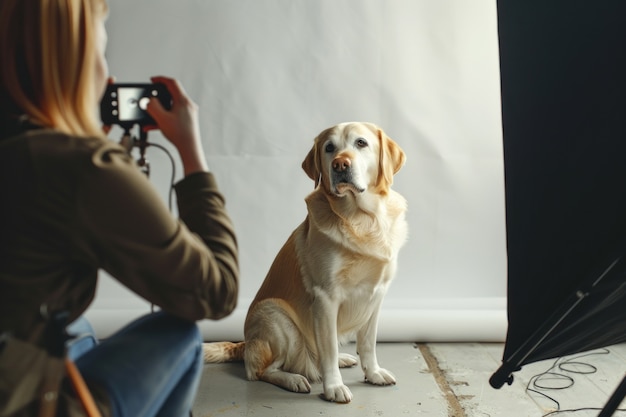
(124, 104)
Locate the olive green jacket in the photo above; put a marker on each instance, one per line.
(71, 206)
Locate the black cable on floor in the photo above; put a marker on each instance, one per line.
(559, 377)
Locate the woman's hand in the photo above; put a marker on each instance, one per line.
(179, 125)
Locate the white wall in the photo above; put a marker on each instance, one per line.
(269, 75)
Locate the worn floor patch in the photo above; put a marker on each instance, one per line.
(454, 406)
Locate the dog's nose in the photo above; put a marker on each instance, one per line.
(341, 163)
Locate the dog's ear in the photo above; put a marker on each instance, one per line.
(390, 160)
(312, 164)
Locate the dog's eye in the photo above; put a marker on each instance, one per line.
(329, 148)
(361, 143)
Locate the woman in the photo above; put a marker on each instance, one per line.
(74, 202)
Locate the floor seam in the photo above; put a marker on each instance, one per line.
(454, 406)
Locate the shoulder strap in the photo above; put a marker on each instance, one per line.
(82, 391)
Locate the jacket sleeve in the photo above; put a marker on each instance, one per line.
(186, 266)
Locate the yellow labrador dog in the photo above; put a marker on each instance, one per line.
(329, 279)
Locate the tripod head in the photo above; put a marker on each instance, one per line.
(129, 141)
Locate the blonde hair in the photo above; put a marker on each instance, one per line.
(47, 69)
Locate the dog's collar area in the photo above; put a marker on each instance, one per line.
(342, 188)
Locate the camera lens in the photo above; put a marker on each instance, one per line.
(143, 102)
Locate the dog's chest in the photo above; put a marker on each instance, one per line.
(375, 238)
(360, 272)
(359, 289)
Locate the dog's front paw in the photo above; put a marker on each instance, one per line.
(337, 393)
(380, 377)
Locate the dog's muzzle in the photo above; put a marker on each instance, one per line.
(343, 177)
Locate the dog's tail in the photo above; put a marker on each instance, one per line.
(219, 352)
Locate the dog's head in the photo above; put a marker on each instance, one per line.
(353, 158)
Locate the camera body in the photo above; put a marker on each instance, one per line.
(124, 104)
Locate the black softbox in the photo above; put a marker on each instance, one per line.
(563, 84)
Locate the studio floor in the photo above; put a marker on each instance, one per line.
(434, 379)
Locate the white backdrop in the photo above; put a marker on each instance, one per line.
(268, 75)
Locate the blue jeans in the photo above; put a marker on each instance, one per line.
(150, 368)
